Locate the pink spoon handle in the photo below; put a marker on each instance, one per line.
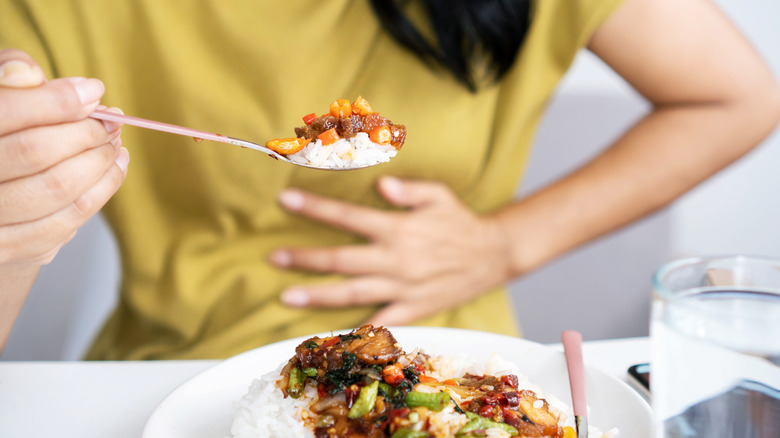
(180, 130)
(572, 347)
(157, 126)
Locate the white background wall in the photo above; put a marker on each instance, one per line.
(601, 289)
(739, 209)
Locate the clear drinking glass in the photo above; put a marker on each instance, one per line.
(715, 334)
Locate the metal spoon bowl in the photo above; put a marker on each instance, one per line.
(197, 134)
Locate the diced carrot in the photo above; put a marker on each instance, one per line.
(450, 382)
(329, 137)
(308, 118)
(425, 378)
(286, 146)
(361, 107)
(341, 108)
(381, 135)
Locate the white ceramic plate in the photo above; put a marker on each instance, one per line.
(202, 407)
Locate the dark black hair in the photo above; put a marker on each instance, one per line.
(476, 40)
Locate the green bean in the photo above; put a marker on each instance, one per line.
(365, 401)
(433, 401)
(408, 433)
(295, 384)
(482, 423)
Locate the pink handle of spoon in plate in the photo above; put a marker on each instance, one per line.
(572, 347)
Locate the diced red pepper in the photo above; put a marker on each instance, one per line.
(308, 118)
(321, 390)
(381, 135)
(330, 342)
(341, 108)
(286, 146)
(486, 411)
(361, 107)
(351, 393)
(425, 378)
(510, 380)
(329, 137)
(393, 373)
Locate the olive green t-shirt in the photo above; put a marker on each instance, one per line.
(195, 222)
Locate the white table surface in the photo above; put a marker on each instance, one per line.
(114, 399)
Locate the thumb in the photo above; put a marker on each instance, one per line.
(405, 193)
(18, 70)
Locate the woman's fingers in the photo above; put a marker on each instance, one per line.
(57, 101)
(354, 292)
(19, 70)
(348, 260)
(33, 197)
(357, 219)
(416, 194)
(33, 150)
(39, 240)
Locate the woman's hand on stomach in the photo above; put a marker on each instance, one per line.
(432, 256)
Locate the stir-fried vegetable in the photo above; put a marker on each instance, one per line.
(361, 107)
(393, 373)
(381, 135)
(482, 423)
(295, 385)
(329, 137)
(434, 401)
(286, 146)
(409, 433)
(341, 108)
(365, 401)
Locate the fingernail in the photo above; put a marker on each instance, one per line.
(117, 141)
(295, 297)
(392, 186)
(122, 159)
(112, 126)
(291, 199)
(88, 90)
(16, 73)
(281, 258)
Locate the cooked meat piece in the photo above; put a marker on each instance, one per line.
(349, 126)
(399, 135)
(374, 120)
(373, 345)
(306, 132)
(323, 123)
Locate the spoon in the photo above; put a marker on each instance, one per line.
(572, 348)
(196, 134)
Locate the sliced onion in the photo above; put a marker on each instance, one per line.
(329, 402)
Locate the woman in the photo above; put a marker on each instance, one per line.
(213, 265)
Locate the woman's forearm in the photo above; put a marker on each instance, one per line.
(714, 100)
(665, 154)
(15, 283)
